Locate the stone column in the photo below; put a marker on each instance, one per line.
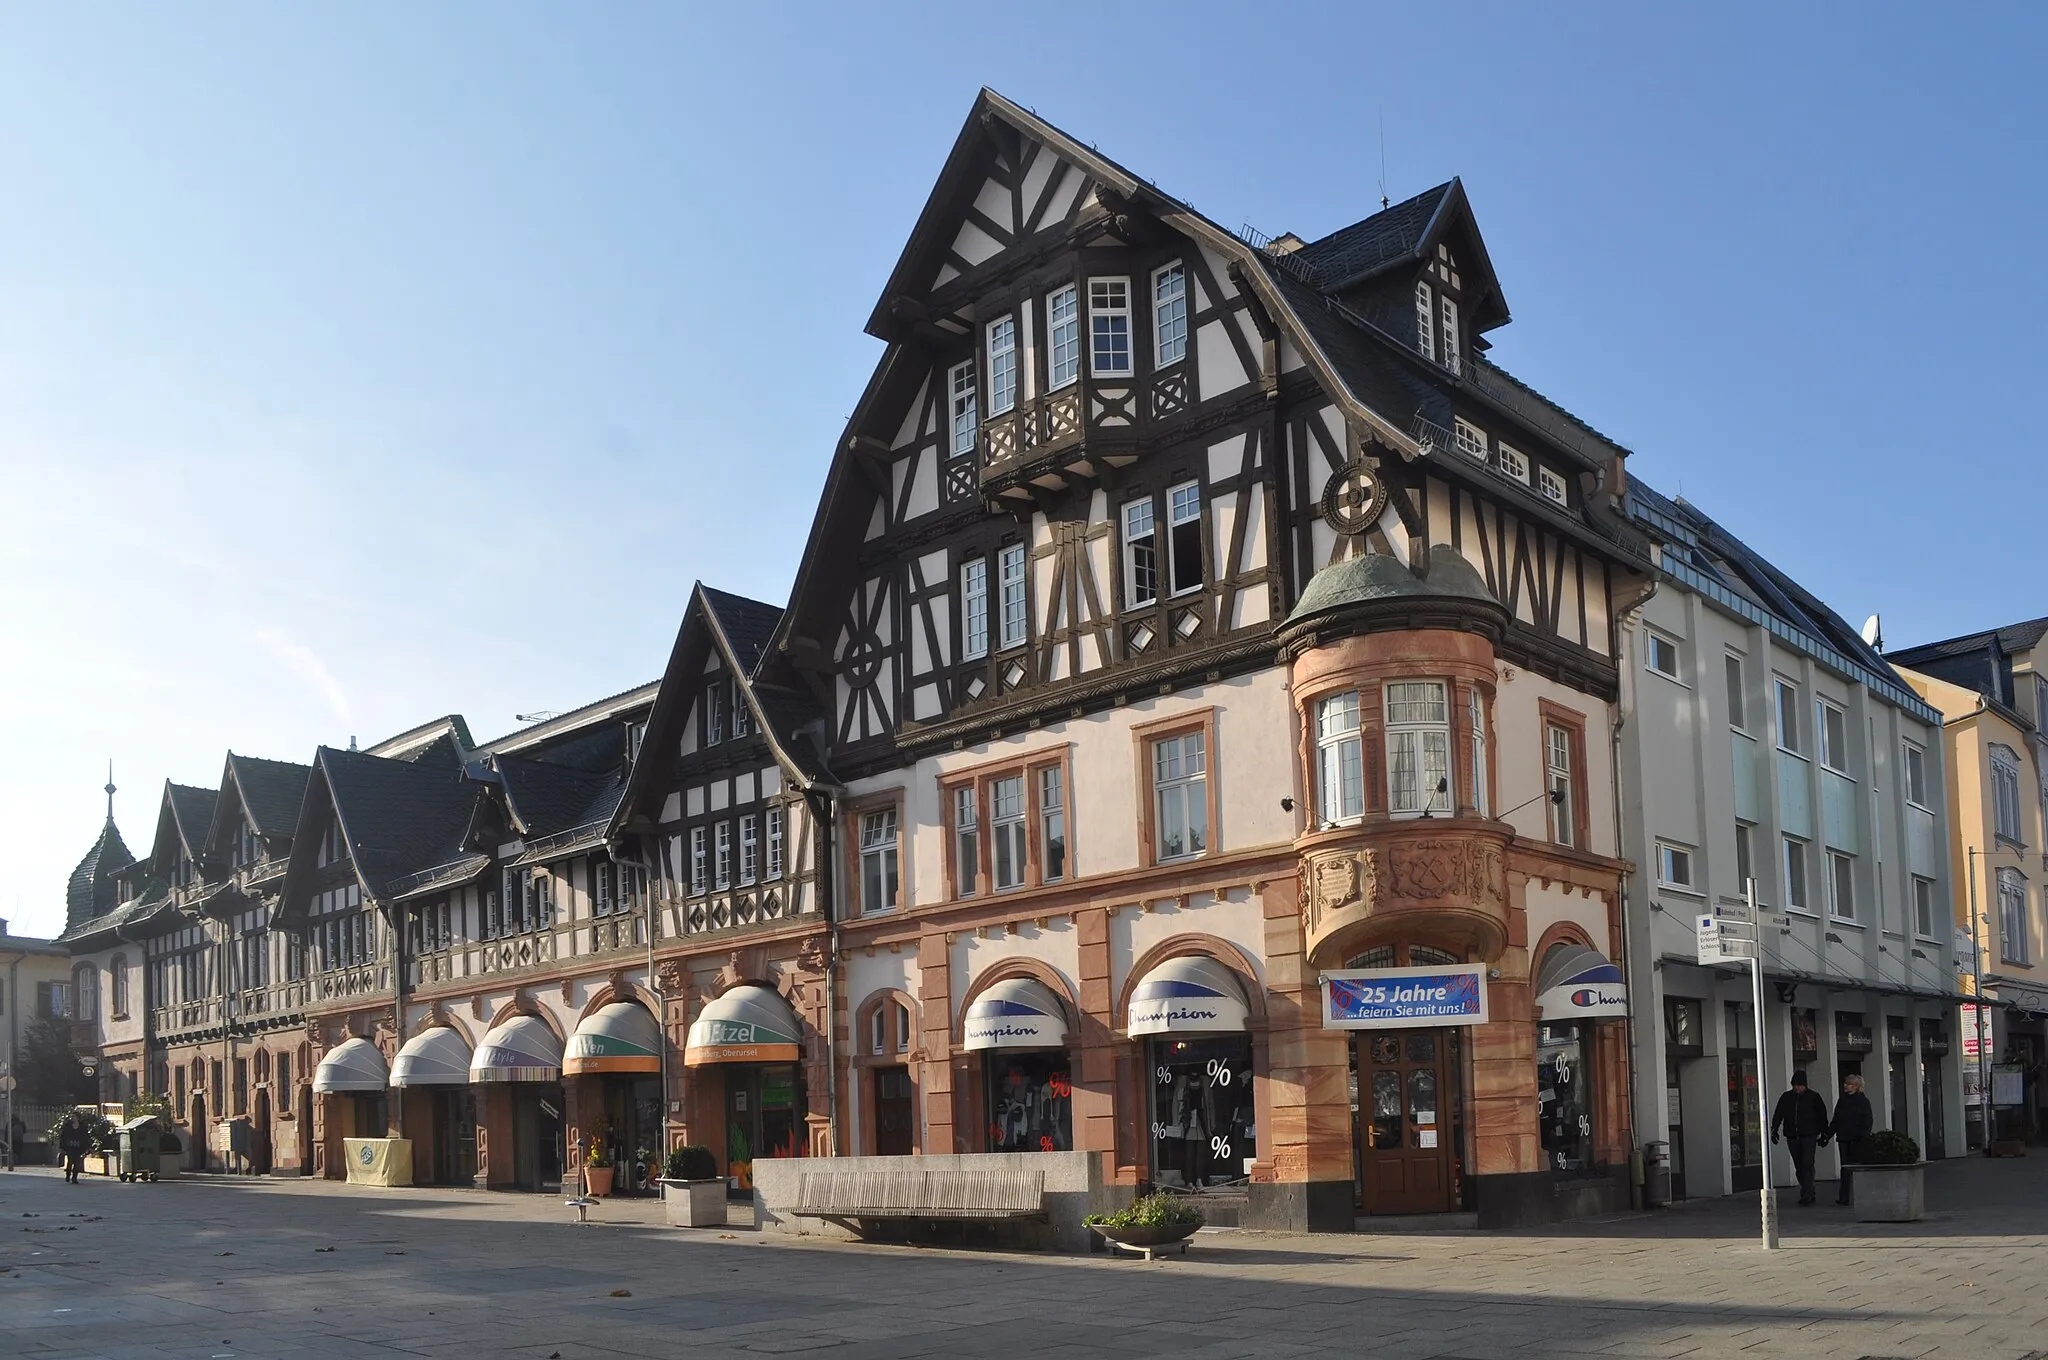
(1094, 1047)
(935, 1074)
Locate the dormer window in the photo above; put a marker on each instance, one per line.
(1425, 320)
(1514, 463)
(1436, 314)
(1550, 484)
(1470, 439)
(1450, 333)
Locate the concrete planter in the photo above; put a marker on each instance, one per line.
(1890, 1194)
(693, 1204)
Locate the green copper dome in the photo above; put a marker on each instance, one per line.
(1377, 576)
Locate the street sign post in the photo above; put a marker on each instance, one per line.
(1729, 935)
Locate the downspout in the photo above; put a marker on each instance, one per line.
(826, 794)
(1621, 717)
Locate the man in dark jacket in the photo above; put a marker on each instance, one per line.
(73, 1141)
(1802, 1116)
(1850, 1126)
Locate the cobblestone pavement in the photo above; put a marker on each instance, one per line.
(221, 1267)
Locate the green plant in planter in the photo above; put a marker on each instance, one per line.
(690, 1163)
(600, 1155)
(1156, 1210)
(1887, 1147)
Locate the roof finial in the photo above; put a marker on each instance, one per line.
(110, 790)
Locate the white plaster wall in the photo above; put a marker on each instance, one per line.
(882, 971)
(1057, 945)
(1518, 729)
(1551, 903)
(1237, 917)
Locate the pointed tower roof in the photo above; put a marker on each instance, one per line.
(90, 891)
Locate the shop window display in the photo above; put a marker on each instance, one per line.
(1564, 1096)
(1030, 1102)
(1202, 1121)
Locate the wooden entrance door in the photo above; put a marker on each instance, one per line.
(1409, 1082)
(892, 1112)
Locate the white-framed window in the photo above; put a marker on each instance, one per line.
(1063, 336)
(1450, 332)
(1184, 536)
(1789, 738)
(1169, 315)
(1795, 874)
(1738, 694)
(1514, 463)
(966, 414)
(1470, 439)
(1016, 614)
(878, 1030)
(1418, 748)
(1661, 653)
(2013, 943)
(721, 859)
(966, 841)
(700, 859)
(1141, 554)
(775, 842)
(715, 695)
(1674, 866)
(1923, 907)
(1745, 858)
(1052, 824)
(1340, 764)
(974, 608)
(2005, 791)
(1481, 784)
(878, 860)
(1002, 364)
(1180, 794)
(1006, 818)
(601, 890)
(1551, 485)
(1109, 327)
(1561, 780)
(750, 848)
(1832, 728)
(1425, 320)
(742, 720)
(902, 1014)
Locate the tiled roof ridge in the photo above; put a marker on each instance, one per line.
(610, 700)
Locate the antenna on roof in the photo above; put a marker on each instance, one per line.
(538, 715)
(1873, 633)
(1385, 202)
(110, 790)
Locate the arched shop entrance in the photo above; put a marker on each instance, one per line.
(519, 1065)
(432, 1073)
(1192, 1017)
(1020, 1029)
(615, 1054)
(350, 1082)
(744, 1052)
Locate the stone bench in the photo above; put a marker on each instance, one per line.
(980, 1194)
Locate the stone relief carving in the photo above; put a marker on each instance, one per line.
(668, 979)
(1446, 868)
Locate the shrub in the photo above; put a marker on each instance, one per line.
(1156, 1210)
(1887, 1147)
(690, 1163)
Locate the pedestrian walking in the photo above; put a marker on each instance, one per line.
(72, 1141)
(1850, 1126)
(1802, 1116)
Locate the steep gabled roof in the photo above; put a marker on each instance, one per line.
(618, 707)
(1395, 235)
(748, 626)
(396, 817)
(92, 889)
(544, 799)
(442, 739)
(268, 792)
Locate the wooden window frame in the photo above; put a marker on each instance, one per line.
(1143, 734)
(1550, 714)
(1012, 353)
(1159, 359)
(1053, 381)
(851, 813)
(1126, 311)
(1546, 479)
(980, 778)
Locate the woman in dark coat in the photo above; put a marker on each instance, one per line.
(1849, 1127)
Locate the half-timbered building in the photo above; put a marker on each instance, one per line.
(1205, 617)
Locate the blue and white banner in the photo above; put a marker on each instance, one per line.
(1404, 998)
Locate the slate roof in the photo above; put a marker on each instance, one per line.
(192, 808)
(443, 738)
(548, 798)
(91, 890)
(2013, 638)
(152, 898)
(568, 730)
(400, 816)
(1351, 254)
(748, 625)
(272, 791)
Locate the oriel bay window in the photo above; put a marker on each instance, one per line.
(1340, 759)
(1432, 735)
(1006, 828)
(1419, 748)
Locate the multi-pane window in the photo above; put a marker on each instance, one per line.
(1923, 907)
(1141, 554)
(601, 890)
(1450, 333)
(1425, 320)
(1788, 716)
(1052, 824)
(1833, 730)
(2012, 917)
(716, 695)
(1006, 831)
(2005, 789)
(120, 987)
(1109, 327)
(1674, 866)
(878, 860)
(1418, 747)
(700, 859)
(1916, 775)
(750, 848)
(1561, 783)
(1551, 485)
(1002, 364)
(966, 414)
(966, 841)
(1738, 703)
(1662, 652)
(1169, 315)
(721, 859)
(974, 608)
(1514, 463)
(1063, 335)
(1340, 765)
(1795, 874)
(1180, 794)
(1481, 798)
(775, 842)
(742, 721)
(1184, 535)
(1470, 439)
(1016, 616)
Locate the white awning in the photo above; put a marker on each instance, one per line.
(352, 1066)
(748, 1023)
(434, 1057)
(523, 1048)
(1016, 1013)
(1580, 983)
(1192, 994)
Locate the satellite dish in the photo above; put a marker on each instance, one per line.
(1873, 633)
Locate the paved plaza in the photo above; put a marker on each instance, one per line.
(222, 1267)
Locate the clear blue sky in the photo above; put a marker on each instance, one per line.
(360, 364)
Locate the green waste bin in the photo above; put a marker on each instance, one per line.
(141, 1149)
